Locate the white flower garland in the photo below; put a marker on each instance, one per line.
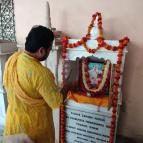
(101, 85)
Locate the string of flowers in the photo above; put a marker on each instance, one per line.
(101, 44)
(116, 93)
(99, 24)
(83, 41)
(62, 124)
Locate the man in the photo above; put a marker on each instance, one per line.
(31, 90)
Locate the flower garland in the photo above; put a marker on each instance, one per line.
(102, 83)
(62, 124)
(99, 24)
(101, 44)
(116, 93)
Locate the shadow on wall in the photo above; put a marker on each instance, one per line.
(131, 111)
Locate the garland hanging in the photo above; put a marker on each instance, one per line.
(102, 83)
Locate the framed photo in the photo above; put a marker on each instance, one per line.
(95, 77)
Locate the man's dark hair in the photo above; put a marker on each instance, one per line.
(39, 36)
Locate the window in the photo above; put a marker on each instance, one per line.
(7, 22)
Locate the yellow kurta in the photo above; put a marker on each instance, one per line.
(30, 112)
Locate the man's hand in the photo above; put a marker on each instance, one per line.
(64, 92)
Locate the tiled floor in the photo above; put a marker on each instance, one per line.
(121, 139)
(1, 130)
(1, 125)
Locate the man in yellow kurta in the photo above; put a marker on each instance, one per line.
(31, 89)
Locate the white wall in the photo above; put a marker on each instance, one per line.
(27, 14)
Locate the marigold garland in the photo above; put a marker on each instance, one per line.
(101, 44)
(102, 83)
(62, 124)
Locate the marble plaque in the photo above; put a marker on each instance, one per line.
(86, 127)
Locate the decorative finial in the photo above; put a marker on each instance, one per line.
(95, 29)
(48, 16)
